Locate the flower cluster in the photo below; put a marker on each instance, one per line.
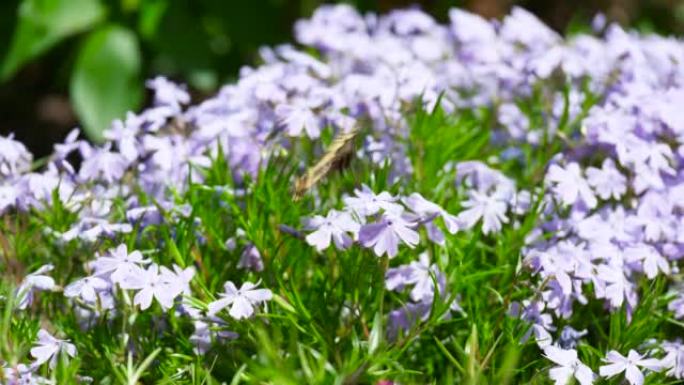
(130, 271)
(378, 221)
(428, 284)
(382, 222)
(48, 349)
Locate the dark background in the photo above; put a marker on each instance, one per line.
(199, 42)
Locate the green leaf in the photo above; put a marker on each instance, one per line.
(105, 82)
(44, 23)
(150, 17)
(376, 334)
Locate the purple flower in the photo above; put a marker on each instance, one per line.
(167, 93)
(542, 323)
(125, 137)
(569, 337)
(8, 197)
(479, 176)
(102, 164)
(607, 181)
(655, 214)
(179, 278)
(367, 203)
(421, 275)
(522, 27)
(151, 285)
(618, 287)
(476, 35)
(570, 186)
(22, 375)
(251, 259)
(49, 348)
(384, 236)
(86, 288)
(402, 319)
(92, 229)
(674, 359)
(36, 281)
(14, 158)
(426, 210)
(515, 122)
(490, 208)
(71, 144)
(677, 306)
(118, 263)
(204, 336)
(297, 118)
(617, 363)
(652, 261)
(333, 226)
(241, 301)
(568, 366)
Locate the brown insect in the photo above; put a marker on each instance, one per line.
(337, 156)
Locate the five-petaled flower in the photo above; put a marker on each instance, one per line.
(241, 301)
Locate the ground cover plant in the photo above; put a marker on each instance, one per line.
(487, 203)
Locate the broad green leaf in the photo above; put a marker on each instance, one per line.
(150, 17)
(105, 82)
(44, 23)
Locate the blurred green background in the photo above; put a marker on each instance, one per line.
(67, 63)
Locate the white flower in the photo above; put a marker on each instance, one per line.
(617, 363)
(243, 300)
(568, 366)
(49, 348)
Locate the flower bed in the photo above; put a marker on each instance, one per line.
(485, 202)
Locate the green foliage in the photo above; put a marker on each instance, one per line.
(328, 321)
(45, 23)
(112, 50)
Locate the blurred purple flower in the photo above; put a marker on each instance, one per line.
(570, 186)
(251, 259)
(86, 288)
(49, 348)
(384, 236)
(32, 283)
(607, 181)
(14, 157)
(490, 208)
(366, 202)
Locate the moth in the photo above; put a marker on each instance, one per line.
(337, 156)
